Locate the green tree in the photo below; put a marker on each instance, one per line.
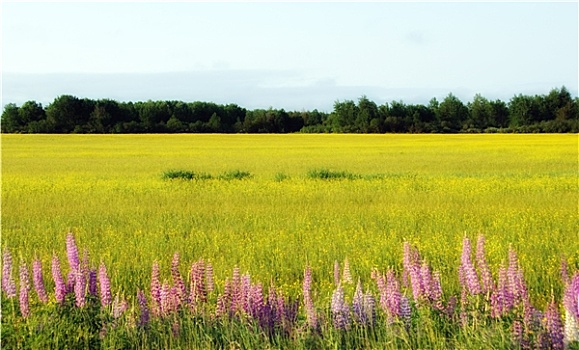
(11, 121)
(451, 114)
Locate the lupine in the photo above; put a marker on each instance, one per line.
(358, 305)
(144, 308)
(80, 289)
(340, 310)
(485, 272)
(467, 271)
(336, 272)
(24, 288)
(571, 304)
(347, 275)
(370, 307)
(38, 281)
(177, 279)
(105, 285)
(60, 289)
(210, 284)
(410, 261)
(92, 282)
(8, 284)
(405, 311)
(198, 292)
(119, 306)
(392, 295)
(311, 316)
(72, 252)
(554, 326)
(156, 288)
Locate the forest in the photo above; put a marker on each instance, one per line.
(555, 112)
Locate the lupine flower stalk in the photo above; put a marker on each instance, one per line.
(311, 316)
(92, 282)
(24, 288)
(485, 272)
(38, 281)
(467, 271)
(105, 285)
(554, 327)
(156, 288)
(177, 279)
(340, 310)
(80, 289)
(59, 285)
(209, 283)
(336, 272)
(144, 308)
(347, 275)
(8, 284)
(571, 304)
(72, 252)
(198, 293)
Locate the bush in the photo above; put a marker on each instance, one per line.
(235, 175)
(325, 174)
(184, 175)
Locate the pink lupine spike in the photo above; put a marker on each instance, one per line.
(105, 285)
(39, 281)
(8, 284)
(60, 289)
(24, 288)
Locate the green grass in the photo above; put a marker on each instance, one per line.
(430, 190)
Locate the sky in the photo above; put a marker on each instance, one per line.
(296, 56)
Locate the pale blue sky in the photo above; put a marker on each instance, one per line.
(287, 55)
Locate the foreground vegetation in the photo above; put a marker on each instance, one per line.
(307, 200)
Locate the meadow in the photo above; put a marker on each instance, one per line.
(430, 191)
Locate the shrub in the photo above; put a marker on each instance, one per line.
(235, 175)
(325, 174)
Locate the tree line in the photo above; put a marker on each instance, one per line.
(555, 112)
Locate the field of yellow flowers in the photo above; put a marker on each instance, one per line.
(304, 200)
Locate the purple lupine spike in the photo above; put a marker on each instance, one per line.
(426, 281)
(256, 303)
(119, 306)
(485, 272)
(198, 293)
(59, 285)
(80, 289)
(416, 282)
(571, 304)
(144, 308)
(209, 282)
(8, 284)
(177, 279)
(84, 264)
(340, 310)
(393, 295)
(467, 271)
(156, 289)
(236, 292)
(336, 272)
(70, 281)
(38, 281)
(358, 305)
(174, 299)
(92, 282)
(513, 274)
(105, 285)
(554, 327)
(245, 291)
(436, 291)
(24, 288)
(165, 304)
(410, 261)
(72, 252)
(518, 332)
(381, 284)
(347, 275)
(370, 308)
(224, 300)
(311, 316)
(405, 311)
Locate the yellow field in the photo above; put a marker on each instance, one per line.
(428, 189)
